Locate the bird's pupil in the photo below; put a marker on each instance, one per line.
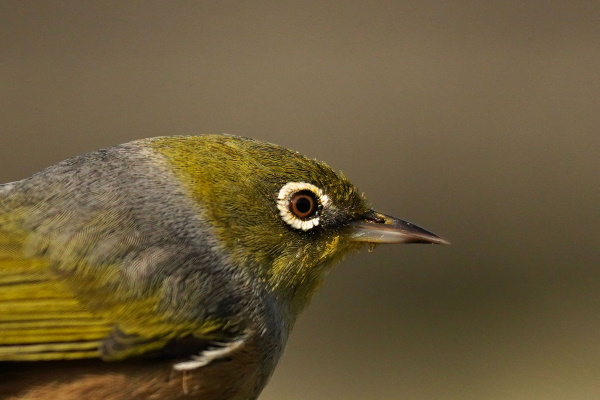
(303, 205)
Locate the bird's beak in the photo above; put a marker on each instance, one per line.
(374, 227)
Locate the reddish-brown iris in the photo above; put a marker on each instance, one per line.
(304, 204)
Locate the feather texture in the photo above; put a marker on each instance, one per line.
(39, 318)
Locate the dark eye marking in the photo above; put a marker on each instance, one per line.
(304, 204)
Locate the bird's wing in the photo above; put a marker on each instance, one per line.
(76, 287)
(39, 318)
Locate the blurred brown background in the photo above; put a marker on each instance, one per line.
(477, 120)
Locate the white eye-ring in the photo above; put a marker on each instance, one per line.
(300, 203)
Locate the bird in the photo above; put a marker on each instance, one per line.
(171, 267)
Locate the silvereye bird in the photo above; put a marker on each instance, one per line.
(198, 250)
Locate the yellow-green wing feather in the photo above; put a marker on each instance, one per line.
(39, 318)
(90, 286)
(48, 315)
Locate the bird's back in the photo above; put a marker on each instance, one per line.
(105, 256)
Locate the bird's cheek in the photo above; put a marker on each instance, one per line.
(333, 248)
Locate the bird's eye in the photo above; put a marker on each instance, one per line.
(304, 204)
(300, 204)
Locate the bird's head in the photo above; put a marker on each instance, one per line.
(284, 216)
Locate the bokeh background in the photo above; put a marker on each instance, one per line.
(477, 120)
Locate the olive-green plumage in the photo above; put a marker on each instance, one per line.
(193, 248)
